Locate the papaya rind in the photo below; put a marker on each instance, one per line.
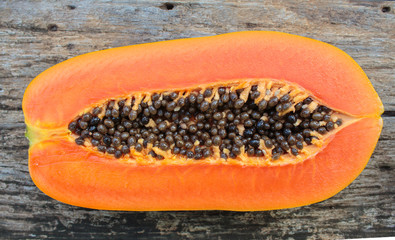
(80, 178)
(58, 94)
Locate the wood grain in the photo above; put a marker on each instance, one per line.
(35, 35)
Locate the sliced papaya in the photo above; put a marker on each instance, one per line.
(243, 121)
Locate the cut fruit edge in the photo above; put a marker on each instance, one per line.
(55, 167)
(188, 62)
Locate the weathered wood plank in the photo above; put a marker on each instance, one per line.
(35, 35)
(364, 209)
(53, 32)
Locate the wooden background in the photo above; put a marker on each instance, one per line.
(34, 35)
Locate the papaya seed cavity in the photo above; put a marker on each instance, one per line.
(263, 119)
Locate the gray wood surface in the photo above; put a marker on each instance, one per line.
(35, 35)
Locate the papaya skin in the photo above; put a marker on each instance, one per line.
(81, 178)
(74, 175)
(187, 62)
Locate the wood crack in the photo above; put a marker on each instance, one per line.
(388, 114)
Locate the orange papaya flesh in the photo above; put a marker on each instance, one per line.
(83, 176)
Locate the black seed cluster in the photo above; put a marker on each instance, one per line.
(194, 125)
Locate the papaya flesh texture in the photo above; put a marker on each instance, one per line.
(248, 176)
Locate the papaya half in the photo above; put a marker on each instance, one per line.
(243, 121)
